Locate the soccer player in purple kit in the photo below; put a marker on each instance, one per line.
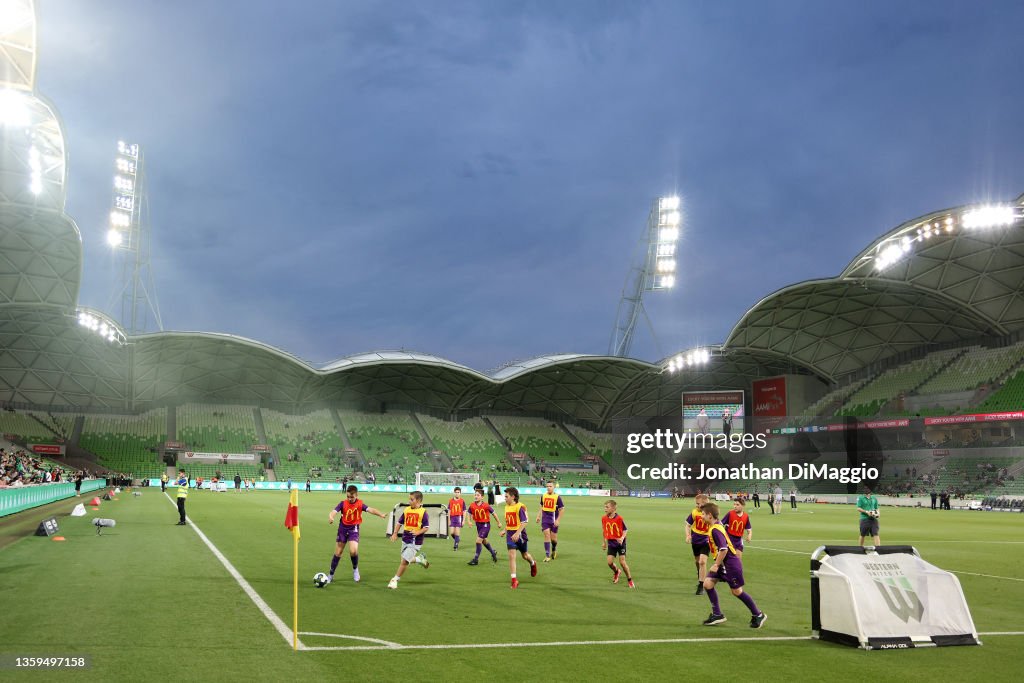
(351, 509)
(725, 566)
(549, 517)
(481, 512)
(414, 523)
(515, 533)
(456, 510)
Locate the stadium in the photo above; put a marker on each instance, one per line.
(910, 361)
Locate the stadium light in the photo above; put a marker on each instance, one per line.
(668, 203)
(982, 217)
(14, 15)
(35, 167)
(988, 217)
(114, 238)
(102, 326)
(14, 109)
(668, 235)
(694, 358)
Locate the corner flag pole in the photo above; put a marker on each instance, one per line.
(291, 522)
(295, 592)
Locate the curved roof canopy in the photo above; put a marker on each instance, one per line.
(952, 275)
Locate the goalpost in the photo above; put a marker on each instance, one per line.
(425, 481)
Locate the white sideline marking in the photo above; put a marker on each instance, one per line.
(571, 643)
(559, 643)
(806, 554)
(275, 620)
(779, 550)
(988, 576)
(386, 643)
(847, 541)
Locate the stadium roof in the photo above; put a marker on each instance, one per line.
(951, 286)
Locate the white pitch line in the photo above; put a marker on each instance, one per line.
(779, 550)
(988, 576)
(275, 620)
(576, 643)
(386, 643)
(847, 541)
(560, 643)
(798, 552)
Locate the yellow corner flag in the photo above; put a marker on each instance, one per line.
(291, 522)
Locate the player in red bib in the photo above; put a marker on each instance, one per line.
(351, 510)
(481, 512)
(736, 521)
(456, 509)
(613, 527)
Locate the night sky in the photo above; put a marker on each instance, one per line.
(470, 179)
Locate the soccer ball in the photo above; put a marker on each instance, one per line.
(874, 513)
(320, 579)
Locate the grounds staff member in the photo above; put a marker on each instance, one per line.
(182, 483)
(867, 506)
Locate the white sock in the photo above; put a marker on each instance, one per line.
(513, 576)
(397, 578)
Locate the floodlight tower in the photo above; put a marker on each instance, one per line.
(130, 235)
(655, 271)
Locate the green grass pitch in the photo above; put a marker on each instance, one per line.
(148, 600)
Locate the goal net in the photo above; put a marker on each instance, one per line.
(425, 481)
(437, 519)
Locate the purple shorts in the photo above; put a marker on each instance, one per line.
(737, 542)
(546, 524)
(455, 522)
(483, 530)
(348, 533)
(731, 572)
(521, 545)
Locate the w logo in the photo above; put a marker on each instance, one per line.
(900, 598)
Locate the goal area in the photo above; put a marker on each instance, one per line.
(464, 480)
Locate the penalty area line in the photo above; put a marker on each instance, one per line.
(260, 603)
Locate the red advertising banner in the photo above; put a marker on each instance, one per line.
(174, 445)
(967, 419)
(517, 456)
(770, 397)
(589, 457)
(11, 437)
(47, 449)
(940, 452)
(261, 448)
